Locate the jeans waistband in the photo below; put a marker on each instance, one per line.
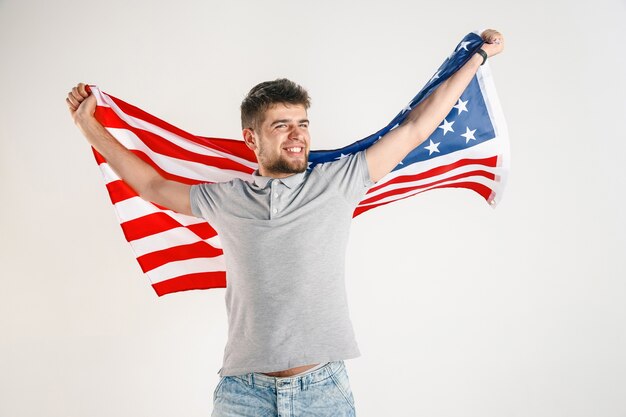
(301, 382)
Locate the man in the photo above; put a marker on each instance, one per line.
(284, 237)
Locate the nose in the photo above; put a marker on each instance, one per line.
(297, 133)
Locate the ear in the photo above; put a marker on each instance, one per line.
(249, 138)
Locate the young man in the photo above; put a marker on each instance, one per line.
(284, 237)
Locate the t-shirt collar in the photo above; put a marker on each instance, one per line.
(290, 181)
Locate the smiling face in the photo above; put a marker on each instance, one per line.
(281, 141)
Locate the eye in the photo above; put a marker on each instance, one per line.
(304, 125)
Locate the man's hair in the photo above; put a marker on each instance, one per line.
(268, 93)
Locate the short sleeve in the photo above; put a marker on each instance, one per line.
(349, 176)
(202, 200)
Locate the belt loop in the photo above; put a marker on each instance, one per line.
(252, 379)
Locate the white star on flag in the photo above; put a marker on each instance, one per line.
(433, 147)
(461, 106)
(469, 134)
(463, 46)
(341, 156)
(446, 126)
(435, 76)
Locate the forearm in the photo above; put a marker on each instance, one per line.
(385, 154)
(134, 171)
(421, 122)
(425, 118)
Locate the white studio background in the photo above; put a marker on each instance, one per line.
(460, 310)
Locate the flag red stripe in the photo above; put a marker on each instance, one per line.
(234, 147)
(164, 173)
(396, 191)
(158, 144)
(363, 209)
(99, 158)
(177, 253)
(477, 187)
(440, 170)
(198, 281)
(120, 191)
(160, 222)
(202, 230)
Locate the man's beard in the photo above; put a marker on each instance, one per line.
(281, 165)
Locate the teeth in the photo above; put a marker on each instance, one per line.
(294, 149)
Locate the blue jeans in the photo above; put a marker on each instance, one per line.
(323, 392)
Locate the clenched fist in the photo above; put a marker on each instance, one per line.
(494, 42)
(80, 102)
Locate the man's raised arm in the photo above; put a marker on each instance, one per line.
(144, 179)
(386, 154)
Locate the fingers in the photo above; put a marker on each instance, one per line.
(76, 96)
(70, 105)
(82, 90)
(492, 36)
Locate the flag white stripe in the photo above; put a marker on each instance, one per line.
(135, 207)
(479, 179)
(413, 184)
(189, 266)
(411, 170)
(492, 102)
(168, 239)
(99, 95)
(108, 173)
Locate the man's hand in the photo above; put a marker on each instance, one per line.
(80, 103)
(494, 42)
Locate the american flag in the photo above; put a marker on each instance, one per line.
(468, 150)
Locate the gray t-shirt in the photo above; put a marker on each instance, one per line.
(284, 243)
